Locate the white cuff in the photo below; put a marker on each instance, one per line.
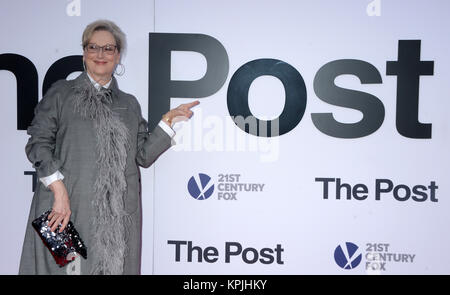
(167, 129)
(52, 178)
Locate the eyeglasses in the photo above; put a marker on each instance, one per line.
(94, 48)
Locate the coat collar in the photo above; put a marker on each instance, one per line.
(83, 78)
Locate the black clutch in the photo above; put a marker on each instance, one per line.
(62, 245)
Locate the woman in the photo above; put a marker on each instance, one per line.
(87, 140)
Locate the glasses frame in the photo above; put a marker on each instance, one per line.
(102, 48)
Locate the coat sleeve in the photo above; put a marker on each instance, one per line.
(41, 144)
(150, 145)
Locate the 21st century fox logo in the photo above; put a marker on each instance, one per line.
(229, 186)
(378, 257)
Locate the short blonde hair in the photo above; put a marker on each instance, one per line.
(105, 25)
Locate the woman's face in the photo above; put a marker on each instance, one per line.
(101, 63)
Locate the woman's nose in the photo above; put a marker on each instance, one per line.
(100, 52)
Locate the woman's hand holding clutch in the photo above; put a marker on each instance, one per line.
(61, 206)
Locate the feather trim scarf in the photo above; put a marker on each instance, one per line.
(109, 220)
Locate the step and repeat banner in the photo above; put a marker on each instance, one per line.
(320, 145)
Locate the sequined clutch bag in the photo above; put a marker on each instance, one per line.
(62, 245)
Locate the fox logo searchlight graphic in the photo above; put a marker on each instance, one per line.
(347, 256)
(200, 186)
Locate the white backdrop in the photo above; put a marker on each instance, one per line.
(285, 218)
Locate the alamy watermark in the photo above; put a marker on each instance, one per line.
(226, 134)
(374, 8)
(74, 8)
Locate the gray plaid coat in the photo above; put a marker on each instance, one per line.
(61, 140)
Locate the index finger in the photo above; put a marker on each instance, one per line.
(192, 104)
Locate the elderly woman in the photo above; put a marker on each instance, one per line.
(87, 140)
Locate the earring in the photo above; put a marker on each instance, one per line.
(122, 70)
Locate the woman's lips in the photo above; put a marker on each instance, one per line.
(100, 62)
